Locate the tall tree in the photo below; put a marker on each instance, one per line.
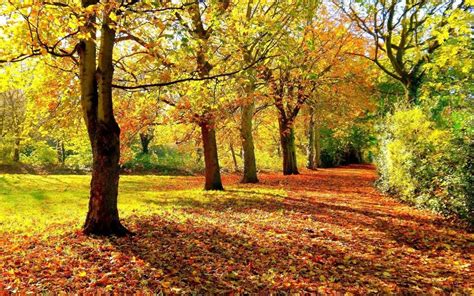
(95, 76)
(405, 35)
(104, 132)
(206, 120)
(12, 117)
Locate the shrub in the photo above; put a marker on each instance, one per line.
(42, 155)
(426, 165)
(163, 159)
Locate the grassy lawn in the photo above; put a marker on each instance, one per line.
(31, 204)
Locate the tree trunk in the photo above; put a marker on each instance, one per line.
(145, 140)
(412, 85)
(234, 158)
(16, 150)
(211, 160)
(250, 165)
(288, 148)
(103, 217)
(317, 142)
(61, 152)
(248, 109)
(314, 148)
(104, 132)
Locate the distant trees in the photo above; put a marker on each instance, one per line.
(12, 116)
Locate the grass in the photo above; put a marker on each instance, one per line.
(31, 204)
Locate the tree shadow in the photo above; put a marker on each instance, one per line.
(208, 258)
(417, 232)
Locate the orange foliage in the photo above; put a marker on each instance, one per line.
(331, 233)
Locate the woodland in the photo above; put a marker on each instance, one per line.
(236, 147)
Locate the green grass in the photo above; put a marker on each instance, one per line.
(32, 204)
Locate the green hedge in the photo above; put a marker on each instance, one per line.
(426, 165)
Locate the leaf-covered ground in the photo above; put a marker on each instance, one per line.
(328, 231)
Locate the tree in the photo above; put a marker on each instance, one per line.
(12, 116)
(95, 76)
(258, 26)
(202, 38)
(313, 58)
(405, 35)
(104, 132)
(205, 120)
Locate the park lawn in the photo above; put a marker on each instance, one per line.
(45, 204)
(327, 232)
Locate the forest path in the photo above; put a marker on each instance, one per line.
(328, 231)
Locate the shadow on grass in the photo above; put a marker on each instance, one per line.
(38, 195)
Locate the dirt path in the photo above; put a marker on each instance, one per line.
(328, 231)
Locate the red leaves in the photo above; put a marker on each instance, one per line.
(327, 231)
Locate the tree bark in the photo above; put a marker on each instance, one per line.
(61, 152)
(234, 158)
(412, 85)
(287, 140)
(314, 147)
(250, 165)
(104, 132)
(248, 109)
(145, 140)
(211, 159)
(208, 133)
(16, 150)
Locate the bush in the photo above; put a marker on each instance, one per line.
(425, 165)
(162, 159)
(79, 161)
(42, 155)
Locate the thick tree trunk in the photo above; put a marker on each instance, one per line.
(145, 140)
(103, 217)
(211, 159)
(250, 165)
(104, 133)
(288, 148)
(412, 86)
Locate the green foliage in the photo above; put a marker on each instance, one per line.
(42, 155)
(163, 159)
(79, 161)
(427, 165)
(353, 145)
(332, 149)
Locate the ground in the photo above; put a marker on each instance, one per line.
(327, 231)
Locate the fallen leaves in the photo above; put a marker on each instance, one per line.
(332, 233)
